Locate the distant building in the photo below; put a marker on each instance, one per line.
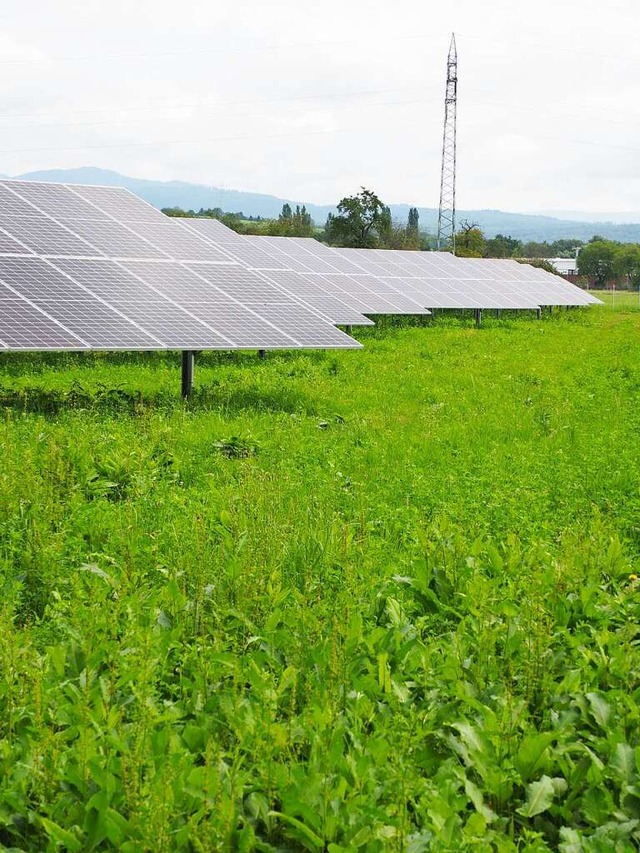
(567, 267)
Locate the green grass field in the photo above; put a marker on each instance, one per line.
(380, 600)
(619, 300)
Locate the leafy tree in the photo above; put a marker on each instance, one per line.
(291, 224)
(502, 247)
(626, 264)
(396, 237)
(361, 222)
(470, 241)
(536, 249)
(596, 260)
(558, 249)
(413, 229)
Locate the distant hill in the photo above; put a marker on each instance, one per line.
(194, 196)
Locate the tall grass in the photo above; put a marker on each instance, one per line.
(379, 600)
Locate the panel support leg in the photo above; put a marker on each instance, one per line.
(478, 317)
(262, 353)
(348, 330)
(539, 313)
(188, 360)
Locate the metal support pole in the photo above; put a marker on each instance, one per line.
(348, 330)
(478, 317)
(262, 353)
(539, 313)
(188, 359)
(498, 313)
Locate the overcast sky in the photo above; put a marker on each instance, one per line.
(311, 101)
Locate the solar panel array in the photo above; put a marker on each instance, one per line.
(303, 271)
(440, 280)
(98, 268)
(550, 289)
(377, 281)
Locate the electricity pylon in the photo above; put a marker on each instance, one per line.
(447, 211)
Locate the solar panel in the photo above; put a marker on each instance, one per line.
(268, 302)
(44, 236)
(118, 203)
(547, 288)
(12, 205)
(436, 281)
(114, 240)
(274, 266)
(199, 295)
(337, 306)
(366, 295)
(23, 326)
(208, 227)
(57, 201)
(178, 243)
(10, 246)
(168, 324)
(78, 310)
(98, 268)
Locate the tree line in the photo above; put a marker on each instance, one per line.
(364, 221)
(292, 222)
(471, 242)
(361, 221)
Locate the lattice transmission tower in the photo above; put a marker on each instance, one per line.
(447, 210)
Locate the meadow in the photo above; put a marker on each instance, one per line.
(382, 600)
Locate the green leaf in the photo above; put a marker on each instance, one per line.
(95, 570)
(475, 795)
(362, 837)
(497, 563)
(571, 842)
(60, 836)
(623, 762)
(597, 805)
(314, 840)
(600, 709)
(163, 620)
(116, 826)
(533, 754)
(539, 797)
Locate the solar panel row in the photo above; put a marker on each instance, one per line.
(98, 268)
(375, 281)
